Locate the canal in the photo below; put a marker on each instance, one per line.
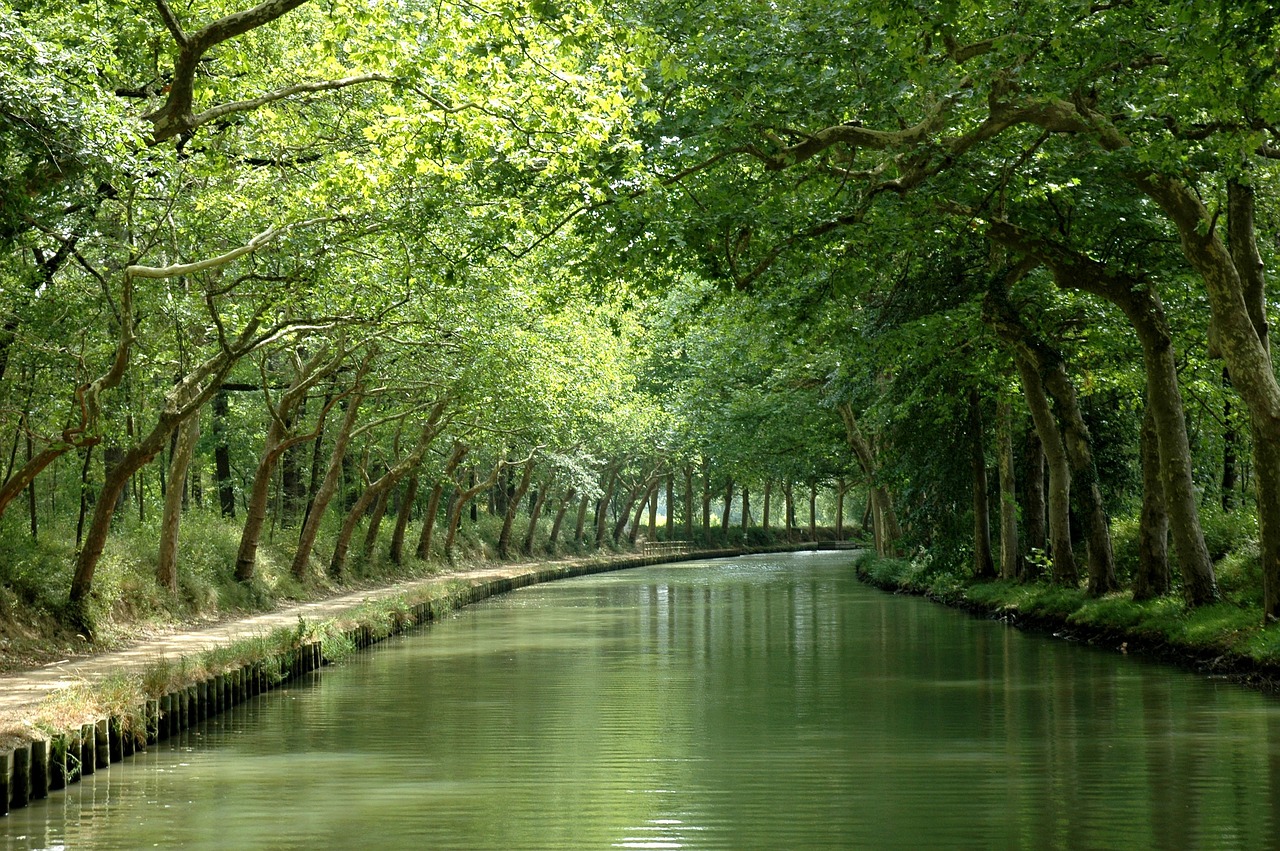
(767, 702)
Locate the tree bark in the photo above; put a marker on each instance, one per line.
(884, 520)
(460, 501)
(403, 515)
(813, 512)
(277, 443)
(456, 455)
(670, 522)
(222, 455)
(376, 491)
(1034, 506)
(764, 510)
(688, 502)
(535, 513)
(171, 519)
(565, 501)
(513, 500)
(746, 512)
(1055, 454)
(728, 507)
(983, 564)
(332, 478)
(1010, 558)
(583, 505)
(1152, 578)
(602, 507)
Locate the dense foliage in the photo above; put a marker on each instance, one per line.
(297, 288)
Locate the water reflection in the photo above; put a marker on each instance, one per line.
(753, 703)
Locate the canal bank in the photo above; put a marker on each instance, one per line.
(158, 688)
(1224, 640)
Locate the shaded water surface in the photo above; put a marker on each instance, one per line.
(762, 702)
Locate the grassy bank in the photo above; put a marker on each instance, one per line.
(1225, 638)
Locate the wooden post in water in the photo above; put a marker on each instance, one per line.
(87, 759)
(58, 763)
(40, 769)
(5, 760)
(20, 784)
(115, 738)
(101, 744)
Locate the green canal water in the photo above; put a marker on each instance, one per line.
(767, 702)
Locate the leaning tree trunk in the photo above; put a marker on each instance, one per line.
(171, 519)
(583, 505)
(1064, 562)
(688, 502)
(884, 520)
(514, 498)
(458, 453)
(565, 501)
(379, 489)
(650, 493)
(983, 564)
(764, 510)
(329, 484)
(396, 552)
(222, 455)
(1034, 507)
(1152, 578)
(535, 513)
(1009, 556)
(728, 507)
(375, 523)
(460, 502)
(602, 507)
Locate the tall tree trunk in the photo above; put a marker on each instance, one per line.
(669, 526)
(884, 519)
(746, 512)
(706, 500)
(375, 523)
(1034, 506)
(222, 455)
(764, 510)
(983, 564)
(278, 442)
(459, 503)
(403, 516)
(561, 510)
(688, 502)
(602, 507)
(456, 455)
(789, 510)
(513, 500)
(1152, 578)
(639, 489)
(171, 519)
(535, 512)
(1229, 440)
(1064, 562)
(653, 510)
(380, 488)
(841, 489)
(329, 484)
(651, 493)
(728, 507)
(813, 512)
(1010, 559)
(583, 505)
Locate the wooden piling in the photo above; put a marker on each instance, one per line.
(101, 744)
(20, 782)
(39, 769)
(115, 739)
(87, 759)
(58, 763)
